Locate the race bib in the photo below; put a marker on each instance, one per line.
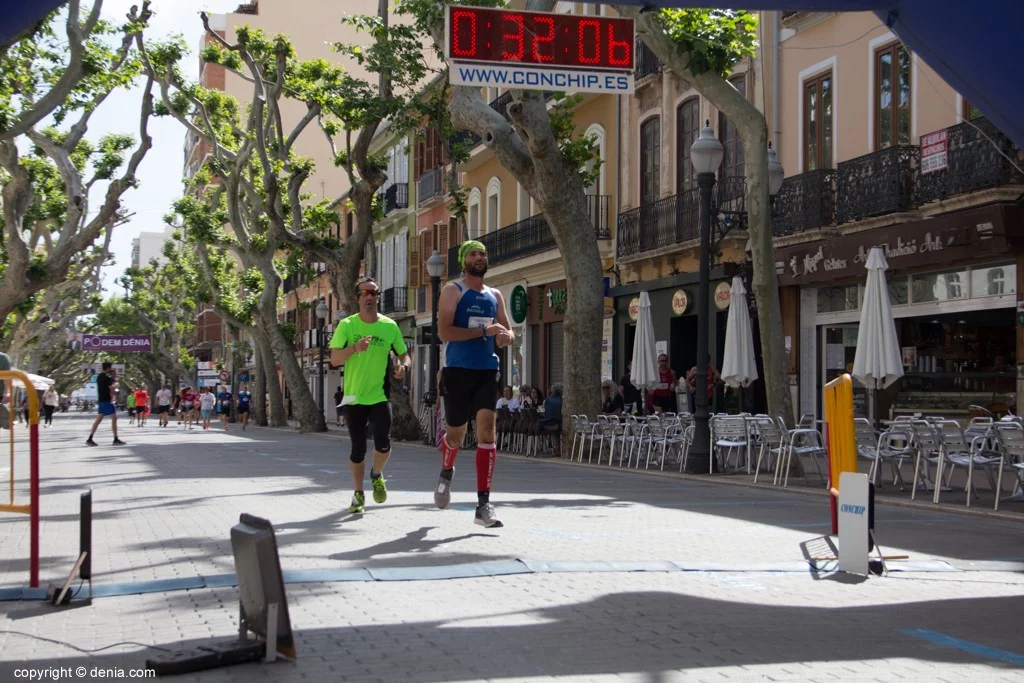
(480, 321)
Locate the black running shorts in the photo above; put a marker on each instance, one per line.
(467, 391)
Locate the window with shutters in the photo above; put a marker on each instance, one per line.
(429, 151)
(818, 122)
(426, 249)
(414, 261)
(732, 163)
(892, 96)
(687, 129)
(493, 204)
(650, 160)
(442, 246)
(402, 260)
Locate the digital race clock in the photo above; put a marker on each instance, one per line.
(538, 39)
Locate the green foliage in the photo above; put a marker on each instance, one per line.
(715, 39)
(289, 330)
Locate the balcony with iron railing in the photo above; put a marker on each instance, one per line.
(532, 235)
(673, 220)
(878, 183)
(430, 186)
(395, 300)
(396, 196)
(978, 157)
(805, 202)
(646, 63)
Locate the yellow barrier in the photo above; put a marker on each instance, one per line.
(839, 432)
(32, 509)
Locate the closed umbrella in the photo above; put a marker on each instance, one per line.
(644, 372)
(739, 368)
(878, 362)
(38, 381)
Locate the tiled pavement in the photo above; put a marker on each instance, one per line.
(735, 601)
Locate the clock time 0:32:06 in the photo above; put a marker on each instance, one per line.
(477, 34)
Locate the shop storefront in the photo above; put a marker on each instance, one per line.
(674, 312)
(953, 286)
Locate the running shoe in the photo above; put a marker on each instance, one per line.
(485, 517)
(380, 489)
(90, 442)
(443, 492)
(358, 503)
(118, 442)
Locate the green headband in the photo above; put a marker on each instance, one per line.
(467, 247)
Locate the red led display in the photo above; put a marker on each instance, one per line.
(478, 34)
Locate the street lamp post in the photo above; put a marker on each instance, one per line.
(321, 318)
(706, 155)
(435, 268)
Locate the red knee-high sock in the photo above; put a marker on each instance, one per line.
(486, 456)
(448, 453)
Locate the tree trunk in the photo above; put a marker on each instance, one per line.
(404, 424)
(259, 392)
(277, 416)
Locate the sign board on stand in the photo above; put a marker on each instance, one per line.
(854, 518)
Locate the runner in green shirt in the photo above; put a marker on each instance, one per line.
(130, 401)
(363, 343)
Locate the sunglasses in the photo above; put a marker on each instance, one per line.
(370, 292)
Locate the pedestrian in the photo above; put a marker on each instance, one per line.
(472, 321)
(244, 400)
(106, 394)
(691, 384)
(206, 402)
(163, 404)
(339, 396)
(130, 403)
(363, 343)
(141, 406)
(664, 393)
(50, 401)
(224, 403)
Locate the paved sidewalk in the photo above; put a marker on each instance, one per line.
(734, 597)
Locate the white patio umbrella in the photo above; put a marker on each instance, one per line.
(878, 362)
(644, 369)
(739, 368)
(38, 381)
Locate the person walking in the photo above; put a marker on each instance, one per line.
(244, 402)
(130, 403)
(163, 404)
(224, 403)
(141, 406)
(472, 320)
(50, 401)
(339, 396)
(106, 394)
(363, 343)
(206, 403)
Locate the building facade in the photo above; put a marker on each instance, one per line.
(881, 152)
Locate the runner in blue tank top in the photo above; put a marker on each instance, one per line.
(472, 321)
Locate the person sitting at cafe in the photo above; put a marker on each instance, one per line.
(664, 393)
(507, 400)
(611, 401)
(551, 417)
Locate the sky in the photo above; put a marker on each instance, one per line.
(160, 172)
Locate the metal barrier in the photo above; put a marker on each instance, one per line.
(840, 439)
(32, 509)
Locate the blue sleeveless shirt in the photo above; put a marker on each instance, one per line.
(475, 309)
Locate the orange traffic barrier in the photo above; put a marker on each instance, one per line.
(840, 439)
(32, 507)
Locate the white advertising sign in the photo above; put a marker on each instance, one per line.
(853, 523)
(512, 76)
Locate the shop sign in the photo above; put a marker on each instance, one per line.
(961, 236)
(933, 152)
(517, 304)
(680, 302)
(556, 299)
(634, 308)
(723, 296)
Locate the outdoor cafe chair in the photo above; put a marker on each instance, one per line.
(770, 442)
(927, 447)
(957, 450)
(585, 430)
(892, 446)
(728, 433)
(1010, 438)
(803, 441)
(633, 430)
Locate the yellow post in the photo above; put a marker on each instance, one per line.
(840, 436)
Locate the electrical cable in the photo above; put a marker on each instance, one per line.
(80, 649)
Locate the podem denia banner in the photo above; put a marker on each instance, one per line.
(112, 342)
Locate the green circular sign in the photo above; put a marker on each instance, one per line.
(517, 304)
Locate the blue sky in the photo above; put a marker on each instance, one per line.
(160, 172)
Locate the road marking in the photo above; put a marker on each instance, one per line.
(328, 471)
(983, 651)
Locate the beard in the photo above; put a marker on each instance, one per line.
(476, 270)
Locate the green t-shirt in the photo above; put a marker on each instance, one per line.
(131, 400)
(364, 372)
